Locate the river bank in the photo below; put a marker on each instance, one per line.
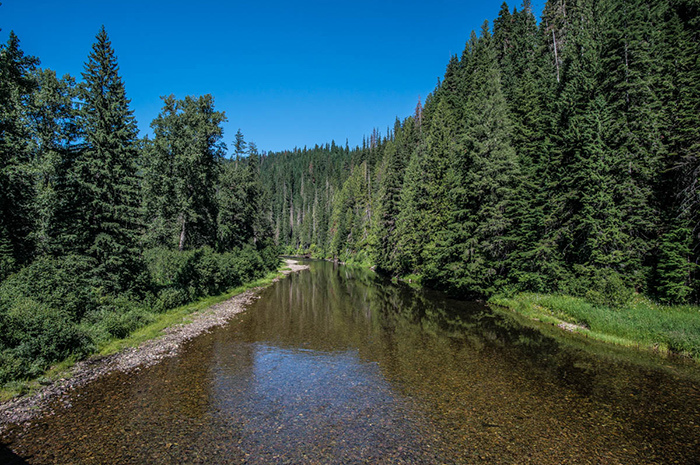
(147, 346)
(640, 324)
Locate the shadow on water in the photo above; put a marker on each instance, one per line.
(338, 365)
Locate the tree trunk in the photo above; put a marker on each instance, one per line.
(183, 235)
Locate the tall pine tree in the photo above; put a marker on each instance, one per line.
(109, 225)
(16, 86)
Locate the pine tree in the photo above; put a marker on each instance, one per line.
(478, 238)
(53, 136)
(16, 86)
(679, 196)
(389, 197)
(424, 203)
(242, 216)
(239, 145)
(109, 225)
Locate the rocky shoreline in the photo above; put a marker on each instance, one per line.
(25, 408)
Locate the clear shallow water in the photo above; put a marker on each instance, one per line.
(337, 366)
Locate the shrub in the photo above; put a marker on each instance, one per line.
(116, 321)
(165, 266)
(602, 287)
(170, 298)
(34, 335)
(56, 307)
(66, 283)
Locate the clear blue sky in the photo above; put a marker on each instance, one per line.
(288, 73)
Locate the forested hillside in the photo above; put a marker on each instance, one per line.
(552, 157)
(101, 230)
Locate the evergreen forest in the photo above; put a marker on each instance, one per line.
(556, 156)
(559, 156)
(100, 230)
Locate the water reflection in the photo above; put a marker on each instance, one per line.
(337, 365)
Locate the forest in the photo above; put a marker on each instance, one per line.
(101, 230)
(557, 156)
(554, 156)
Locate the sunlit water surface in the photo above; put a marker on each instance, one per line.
(336, 365)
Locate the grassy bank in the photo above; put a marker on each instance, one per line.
(153, 326)
(641, 323)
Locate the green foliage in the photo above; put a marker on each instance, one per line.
(35, 335)
(108, 218)
(638, 323)
(16, 87)
(53, 130)
(674, 267)
(603, 287)
(181, 277)
(56, 307)
(67, 283)
(241, 215)
(181, 170)
(115, 318)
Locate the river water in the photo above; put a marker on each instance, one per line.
(335, 365)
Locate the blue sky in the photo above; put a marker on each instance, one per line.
(287, 73)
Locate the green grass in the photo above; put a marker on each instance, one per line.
(152, 330)
(641, 323)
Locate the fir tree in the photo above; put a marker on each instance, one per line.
(109, 225)
(424, 202)
(16, 86)
(52, 125)
(478, 240)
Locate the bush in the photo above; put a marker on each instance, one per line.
(180, 277)
(170, 298)
(56, 307)
(249, 263)
(34, 335)
(66, 283)
(165, 265)
(601, 287)
(116, 320)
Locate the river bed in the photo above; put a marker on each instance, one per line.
(336, 365)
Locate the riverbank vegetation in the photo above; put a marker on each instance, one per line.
(150, 326)
(103, 233)
(555, 158)
(640, 323)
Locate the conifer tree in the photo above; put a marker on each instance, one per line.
(109, 224)
(389, 197)
(53, 135)
(679, 245)
(16, 86)
(239, 145)
(478, 238)
(242, 216)
(424, 202)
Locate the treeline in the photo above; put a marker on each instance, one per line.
(553, 157)
(99, 229)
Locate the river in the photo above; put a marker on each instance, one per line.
(336, 365)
